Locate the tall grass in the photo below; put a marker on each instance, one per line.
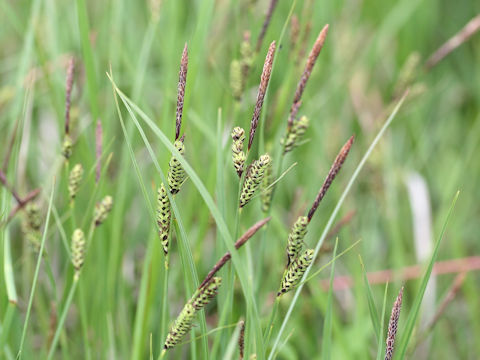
(126, 71)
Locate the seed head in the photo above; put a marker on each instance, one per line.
(295, 239)
(31, 225)
(238, 156)
(253, 179)
(392, 326)
(336, 166)
(295, 134)
(295, 272)
(185, 320)
(176, 173)
(67, 146)
(206, 293)
(266, 22)
(241, 340)
(78, 250)
(236, 79)
(68, 93)
(164, 216)
(262, 90)
(182, 81)
(182, 325)
(102, 209)
(267, 191)
(76, 176)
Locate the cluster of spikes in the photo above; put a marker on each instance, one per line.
(298, 262)
(239, 68)
(258, 174)
(176, 173)
(185, 319)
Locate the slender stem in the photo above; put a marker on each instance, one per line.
(62, 318)
(273, 316)
(37, 271)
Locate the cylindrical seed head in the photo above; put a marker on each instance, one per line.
(392, 326)
(206, 293)
(236, 79)
(253, 179)
(294, 135)
(238, 156)
(182, 325)
(164, 215)
(267, 191)
(78, 250)
(295, 272)
(295, 239)
(176, 173)
(102, 209)
(75, 179)
(67, 146)
(31, 225)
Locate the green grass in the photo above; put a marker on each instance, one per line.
(126, 300)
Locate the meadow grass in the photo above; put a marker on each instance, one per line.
(372, 78)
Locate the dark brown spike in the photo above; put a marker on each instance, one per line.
(337, 165)
(182, 81)
(241, 340)
(68, 92)
(238, 244)
(266, 22)
(262, 89)
(392, 326)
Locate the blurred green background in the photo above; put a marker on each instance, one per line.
(430, 151)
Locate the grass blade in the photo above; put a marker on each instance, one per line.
(412, 317)
(327, 325)
(382, 325)
(371, 302)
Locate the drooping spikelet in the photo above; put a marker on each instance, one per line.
(267, 190)
(102, 209)
(78, 250)
(31, 225)
(295, 134)
(164, 215)
(176, 173)
(262, 90)
(74, 180)
(67, 146)
(392, 326)
(295, 239)
(295, 272)
(206, 293)
(182, 325)
(185, 320)
(253, 179)
(238, 156)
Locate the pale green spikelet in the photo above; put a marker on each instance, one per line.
(295, 134)
(102, 209)
(182, 325)
(78, 250)
(266, 190)
(295, 239)
(246, 53)
(67, 147)
(31, 225)
(184, 321)
(238, 156)
(76, 176)
(236, 79)
(295, 272)
(176, 173)
(253, 179)
(206, 293)
(164, 215)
